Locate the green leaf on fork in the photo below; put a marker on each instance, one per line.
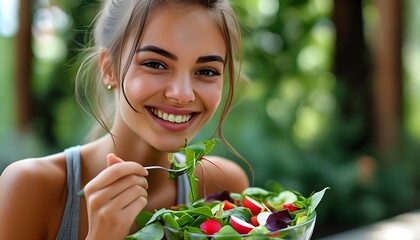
(193, 155)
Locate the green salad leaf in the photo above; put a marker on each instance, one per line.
(194, 153)
(152, 231)
(227, 233)
(315, 199)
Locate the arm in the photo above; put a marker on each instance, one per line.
(24, 201)
(219, 174)
(31, 191)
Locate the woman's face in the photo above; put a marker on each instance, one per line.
(175, 79)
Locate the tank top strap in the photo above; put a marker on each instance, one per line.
(69, 228)
(183, 183)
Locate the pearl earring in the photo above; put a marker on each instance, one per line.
(109, 87)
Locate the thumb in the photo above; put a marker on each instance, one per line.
(113, 159)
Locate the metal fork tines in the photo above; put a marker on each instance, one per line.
(175, 172)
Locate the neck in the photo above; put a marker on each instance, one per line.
(138, 151)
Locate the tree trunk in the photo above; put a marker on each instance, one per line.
(352, 71)
(24, 66)
(388, 78)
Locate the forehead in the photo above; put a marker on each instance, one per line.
(184, 30)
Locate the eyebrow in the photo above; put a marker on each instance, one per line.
(158, 50)
(167, 54)
(210, 58)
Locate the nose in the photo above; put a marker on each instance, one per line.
(181, 89)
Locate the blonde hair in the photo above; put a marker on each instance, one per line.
(113, 26)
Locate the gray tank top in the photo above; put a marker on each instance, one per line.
(69, 228)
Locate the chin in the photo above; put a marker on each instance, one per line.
(169, 146)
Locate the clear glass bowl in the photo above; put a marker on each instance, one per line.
(302, 231)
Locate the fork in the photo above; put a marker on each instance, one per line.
(175, 172)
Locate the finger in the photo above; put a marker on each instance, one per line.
(113, 173)
(129, 196)
(118, 195)
(114, 189)
(132, 209)
(113, 159)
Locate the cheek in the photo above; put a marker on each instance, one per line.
(212, 95)
(139, 87)
(133, 93)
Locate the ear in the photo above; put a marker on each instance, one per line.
(107, 71)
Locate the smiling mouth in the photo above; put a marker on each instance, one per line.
(170, 117)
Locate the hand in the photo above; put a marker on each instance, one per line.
(114, 198)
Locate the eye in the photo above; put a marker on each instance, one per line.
(154, 64)
(207, 72)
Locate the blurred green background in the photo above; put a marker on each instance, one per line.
(313, 117)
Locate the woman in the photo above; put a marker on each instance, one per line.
(163, 64)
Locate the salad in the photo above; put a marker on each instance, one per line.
(254, 212)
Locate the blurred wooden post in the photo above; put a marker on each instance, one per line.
(24, 66)
(353, 71)
(388, 78)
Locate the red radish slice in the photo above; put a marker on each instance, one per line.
(253, 205)
(290, 206)
(240, 225)
(227, 205)
(210, 226)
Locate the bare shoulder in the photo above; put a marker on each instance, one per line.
(218, 173)
(33, 172)
(30, 190)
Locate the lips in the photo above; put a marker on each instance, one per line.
(171, 117)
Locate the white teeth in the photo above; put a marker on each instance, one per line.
(171, 117)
